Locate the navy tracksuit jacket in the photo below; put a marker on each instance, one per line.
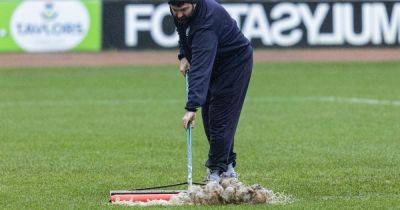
(221, 61)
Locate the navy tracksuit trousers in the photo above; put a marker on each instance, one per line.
(221, 113)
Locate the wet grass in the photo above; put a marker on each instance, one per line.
(69, 135)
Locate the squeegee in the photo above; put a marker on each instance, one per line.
(154, 193)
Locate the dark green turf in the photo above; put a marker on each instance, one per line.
(69, 135)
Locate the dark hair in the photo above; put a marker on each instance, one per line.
(179, 3)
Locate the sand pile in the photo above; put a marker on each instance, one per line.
(228, 191)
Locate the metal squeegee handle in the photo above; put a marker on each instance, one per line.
(188, 138)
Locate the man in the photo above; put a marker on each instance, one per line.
(218, 60)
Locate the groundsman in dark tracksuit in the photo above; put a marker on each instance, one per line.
(220, 59)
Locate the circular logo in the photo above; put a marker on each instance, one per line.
(49, 26)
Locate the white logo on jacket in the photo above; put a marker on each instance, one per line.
(187, 31)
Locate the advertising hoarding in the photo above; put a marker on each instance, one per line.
(50, 26)
(290, 24)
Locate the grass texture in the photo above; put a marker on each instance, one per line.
(326, 133)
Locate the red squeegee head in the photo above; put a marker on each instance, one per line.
(138, 196)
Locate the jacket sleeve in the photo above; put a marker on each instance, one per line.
(181, 53)
(182, 40)
(204, 50)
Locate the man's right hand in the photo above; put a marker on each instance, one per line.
(184, 66)
(189, 117)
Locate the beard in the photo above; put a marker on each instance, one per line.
(183, 21)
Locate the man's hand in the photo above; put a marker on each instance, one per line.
(188, 117)
(184, 66)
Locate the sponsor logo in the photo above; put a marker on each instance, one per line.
(49, 13)
(285, 24)
(49, 25)
(147, 17)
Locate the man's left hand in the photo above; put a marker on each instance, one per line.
(189, 117)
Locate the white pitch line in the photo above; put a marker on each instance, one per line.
(115, 102)
(332, 99)
(107, 102)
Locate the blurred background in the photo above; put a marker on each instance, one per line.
(278, 30)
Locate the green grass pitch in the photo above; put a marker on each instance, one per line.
(326, 133)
